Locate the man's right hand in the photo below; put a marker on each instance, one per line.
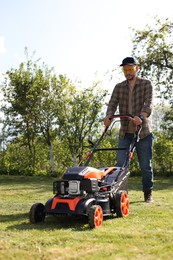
(107, 121)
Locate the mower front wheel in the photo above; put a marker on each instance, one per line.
(122, 204)
(37, 213)
(95, 216)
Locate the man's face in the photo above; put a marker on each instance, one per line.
(130, 71)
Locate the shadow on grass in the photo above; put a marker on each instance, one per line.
(13, 217)
(137, 202)
(75, 223)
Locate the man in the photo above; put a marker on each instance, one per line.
(134, 96)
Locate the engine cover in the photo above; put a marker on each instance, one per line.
(84, 172)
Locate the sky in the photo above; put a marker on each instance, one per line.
(83, 39)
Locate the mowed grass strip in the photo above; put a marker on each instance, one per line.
(146, 233)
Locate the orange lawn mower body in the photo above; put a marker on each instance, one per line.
(90, 192)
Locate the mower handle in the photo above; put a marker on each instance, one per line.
(127, 116)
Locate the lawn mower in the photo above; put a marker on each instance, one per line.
(88, 191)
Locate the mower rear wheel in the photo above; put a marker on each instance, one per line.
(37, 213)
(122, 204)
(95, 216)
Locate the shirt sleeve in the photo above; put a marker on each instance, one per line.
(113, 102)
(148, 99)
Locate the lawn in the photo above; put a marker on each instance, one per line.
(146, 233)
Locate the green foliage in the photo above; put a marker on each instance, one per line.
(163, 154)
(106, 158)
(79, 118)
(167, 124)
(154, 52)
(42, 106)
(15, 160)
(25, 91)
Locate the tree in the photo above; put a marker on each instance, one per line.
(30, 104)
(21, 97)
(80, 116)
(163, 154)
(39, 103)
(154, 51)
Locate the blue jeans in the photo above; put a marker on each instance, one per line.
(144, 153)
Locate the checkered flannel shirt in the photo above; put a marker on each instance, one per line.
(142, 99)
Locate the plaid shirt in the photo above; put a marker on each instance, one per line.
(142, 97)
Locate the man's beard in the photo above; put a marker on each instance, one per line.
(130, 77)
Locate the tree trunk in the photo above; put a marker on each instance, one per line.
(52, 164)
(74, 159)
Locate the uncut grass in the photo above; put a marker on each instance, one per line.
(146, 233)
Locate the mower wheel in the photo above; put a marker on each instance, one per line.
(37, 213)
(122, 204)
(95, 216)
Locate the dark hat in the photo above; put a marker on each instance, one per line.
(128, 61)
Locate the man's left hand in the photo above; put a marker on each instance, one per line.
(137, 120)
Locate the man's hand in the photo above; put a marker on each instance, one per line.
(107, 121)
(137, 120)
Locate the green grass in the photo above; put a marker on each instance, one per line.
(145, 234)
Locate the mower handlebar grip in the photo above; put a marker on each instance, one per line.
(126, 116)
